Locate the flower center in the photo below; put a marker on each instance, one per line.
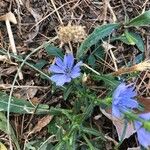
(68, 71)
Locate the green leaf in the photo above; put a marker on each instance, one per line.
(67, 91)
(131, 38)
(60, 111)
(3, 127)
(92, 131)
(141, 20)
(40, 64)
(54, 51)
(91, 60)
(88, 112)
(135, 39)
(108, 80)
(91, 147)
(139, 58)
(21, 106)
(99, 53)
(121, 38)
(139, 42)
(98, 34)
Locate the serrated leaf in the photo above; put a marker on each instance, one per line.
(54, 51)
(141, 20)
(98, 34)
(21, 106)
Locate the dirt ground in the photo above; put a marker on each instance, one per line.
(38, 21)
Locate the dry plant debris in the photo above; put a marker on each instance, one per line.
(72, 21)
(71, 33)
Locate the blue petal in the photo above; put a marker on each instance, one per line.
(116, 112)
(145, 116)
(131, 91)
(143, 135)
(55, 69)
(60, 79)
(75, 75)
(117, 101)
(78, 64)
(69, 60)
(120, 89)
(76, 70)
(59, 63)
(130, 103)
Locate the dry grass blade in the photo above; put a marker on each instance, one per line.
(139, 67)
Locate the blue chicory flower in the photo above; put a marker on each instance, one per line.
(65, 70)
(123, 99)
(142, 133)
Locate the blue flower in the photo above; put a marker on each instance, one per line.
(65, 70)
(142, 133)
(123, 99)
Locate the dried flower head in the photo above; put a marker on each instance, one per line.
(74, 33)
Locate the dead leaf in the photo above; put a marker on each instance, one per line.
(107, 46)
(3, 58)
(119, 124)
(145, 101)
(41, 124)
(37, 17)
(27, 93)
(8, 71)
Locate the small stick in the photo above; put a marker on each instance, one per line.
(10, 17)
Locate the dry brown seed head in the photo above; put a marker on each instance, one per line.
(74, 33)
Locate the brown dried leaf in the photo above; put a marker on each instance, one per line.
(27, 93)
(37, 17)
(41, 124)
(8, 71)
(145, 101)
(119, 124)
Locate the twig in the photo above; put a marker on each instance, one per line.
(56, 10)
